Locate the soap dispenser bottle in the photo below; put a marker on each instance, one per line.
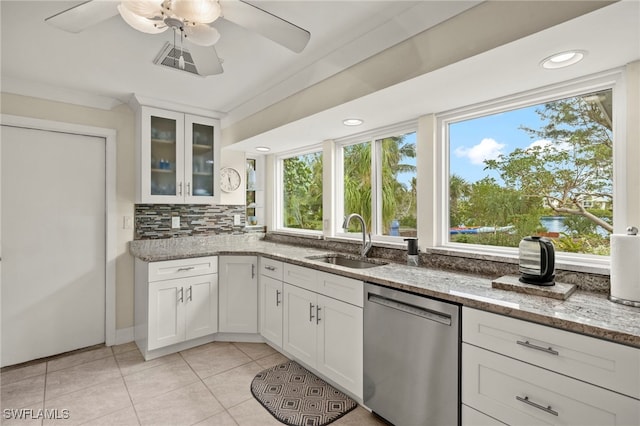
(413, 258)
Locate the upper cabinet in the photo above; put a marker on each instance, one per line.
(178, 157)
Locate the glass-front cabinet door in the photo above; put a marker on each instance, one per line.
(178, 158)
(162, 145)
(200, 159)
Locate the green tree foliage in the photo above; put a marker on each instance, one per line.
(303, 191)
(398, 200)
(573, 160)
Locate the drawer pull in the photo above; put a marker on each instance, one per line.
(546, 409)
(186, 269)
(269, 268)
(548, 350)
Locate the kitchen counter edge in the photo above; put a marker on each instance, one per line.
(587, 313)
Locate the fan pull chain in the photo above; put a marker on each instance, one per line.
(181, 60)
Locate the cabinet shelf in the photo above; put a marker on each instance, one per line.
(199, 149)
(163, 171)
(164, 141)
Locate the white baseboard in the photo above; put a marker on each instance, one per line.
(124, 335)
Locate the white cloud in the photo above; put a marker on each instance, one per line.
(487, 149)
(544, 143)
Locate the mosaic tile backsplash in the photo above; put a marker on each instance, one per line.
(153, 221)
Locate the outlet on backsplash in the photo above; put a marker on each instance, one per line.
(175, 222)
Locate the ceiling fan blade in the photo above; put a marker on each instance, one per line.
(206, 60)
(83, 15)
(271, 26)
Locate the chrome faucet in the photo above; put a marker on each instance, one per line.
(366, 246)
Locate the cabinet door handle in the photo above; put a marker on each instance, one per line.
(546, 409)
(311, 316)
(188, 188)
(181, 295)
(253, 271)
(190, 294)
(548, 350)
(269, 268)
(188, 268)
(180, 188)
(318, 309)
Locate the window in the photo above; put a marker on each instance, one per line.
(379, 183)
(544, 169)
(301, 188)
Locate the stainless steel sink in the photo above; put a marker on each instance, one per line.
(348, 261)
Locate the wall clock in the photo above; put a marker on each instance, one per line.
(229, 179)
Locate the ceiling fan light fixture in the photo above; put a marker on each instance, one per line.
(144, 8)
(198, 11)
(202, 34)
(138, 22)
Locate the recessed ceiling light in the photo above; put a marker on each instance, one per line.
(352, 122)
(263, 149)
(563, 59)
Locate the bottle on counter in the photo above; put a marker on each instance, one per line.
(413, 257)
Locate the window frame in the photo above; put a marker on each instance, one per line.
(375, 137)
(612, 80)
(278, 224)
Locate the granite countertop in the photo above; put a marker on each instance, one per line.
(583, 312)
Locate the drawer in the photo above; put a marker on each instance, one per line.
(341, 288)
(518, 393)
(301, 277)
(472, 417)
(606, 364)
(271, 268)
(181, 268)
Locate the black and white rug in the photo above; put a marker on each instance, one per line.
(297, 397)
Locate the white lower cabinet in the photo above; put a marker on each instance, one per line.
(182, 309)
(175, 301)
(300, 328)
(543, 385)
(339, 342)
(271, 309)
(238, 294)
(325, 334)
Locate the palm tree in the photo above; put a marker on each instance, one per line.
(357, 179)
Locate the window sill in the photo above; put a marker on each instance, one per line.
(384, 244)
(311, 235)
(564, 261)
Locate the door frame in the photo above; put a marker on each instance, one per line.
(109, 136)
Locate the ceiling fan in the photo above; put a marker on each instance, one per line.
(191, 20)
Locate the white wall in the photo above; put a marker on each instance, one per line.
(122, 119)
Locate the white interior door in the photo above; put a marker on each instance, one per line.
(52, 226)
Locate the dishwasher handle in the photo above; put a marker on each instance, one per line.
(438, 317)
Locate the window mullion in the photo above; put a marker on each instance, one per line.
(376, 187)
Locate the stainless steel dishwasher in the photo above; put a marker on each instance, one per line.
(411, 358)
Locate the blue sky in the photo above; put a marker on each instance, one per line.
(475, 140)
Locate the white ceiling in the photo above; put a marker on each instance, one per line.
(610, 35)
(104, 65)
(108, 62)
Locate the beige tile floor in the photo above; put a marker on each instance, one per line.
(206, 385)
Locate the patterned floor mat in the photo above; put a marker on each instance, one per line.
(297, 397)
